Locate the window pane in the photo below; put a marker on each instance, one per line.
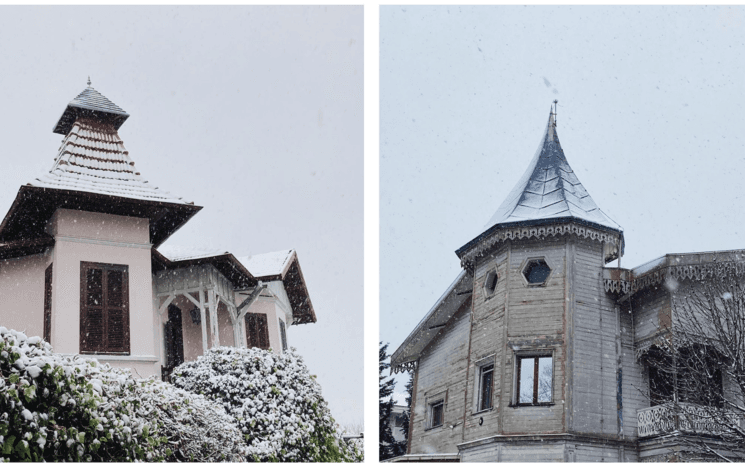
(527, 366)
(487, 377)
(545, 377)
(437, 415)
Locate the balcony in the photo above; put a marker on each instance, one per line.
(689, 418)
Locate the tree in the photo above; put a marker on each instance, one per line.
(699, 368)
(407, 414)
(389, 448)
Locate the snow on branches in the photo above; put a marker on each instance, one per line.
(276, 402)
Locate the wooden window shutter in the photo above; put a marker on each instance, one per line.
(104, 308)
(48, 304)
(257, 331)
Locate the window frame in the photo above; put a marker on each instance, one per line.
(536, 356)
(524, 267)
(283, 334)
(431, 413)
(105, 348)
(262, 320)
(48, 282)
(478, 373)
(491, 276)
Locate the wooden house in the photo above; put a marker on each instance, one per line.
(82, 262)
(536, 351)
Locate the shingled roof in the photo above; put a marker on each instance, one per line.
(90, 103)
(93, 172)
(93, 158)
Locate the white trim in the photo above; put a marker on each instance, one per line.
(89, 240)
(116, 357)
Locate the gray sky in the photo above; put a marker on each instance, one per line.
(650, 118)
(254, 113)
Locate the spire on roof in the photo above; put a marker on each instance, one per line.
(549, 189)
(90, 104)
(92, 157)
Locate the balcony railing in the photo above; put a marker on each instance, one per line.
(688, 418)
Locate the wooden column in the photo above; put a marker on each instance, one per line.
(214, 332)
(236, 328)
(203, 316)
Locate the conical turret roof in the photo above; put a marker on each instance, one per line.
(549, 189)
(548, 192)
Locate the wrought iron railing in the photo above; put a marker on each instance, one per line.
(683, 417)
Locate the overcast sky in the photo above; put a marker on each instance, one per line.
(254, 113)
(650, 116)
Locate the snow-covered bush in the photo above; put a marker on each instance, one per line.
(68, 408)
(55, 407)
(275, 401)
(195, 428)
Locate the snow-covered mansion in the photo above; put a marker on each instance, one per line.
(539, 352)
(82, 262)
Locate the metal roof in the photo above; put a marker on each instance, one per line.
(90, 103)
(93, 159)
(549, 189)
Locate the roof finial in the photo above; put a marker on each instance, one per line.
(556, 103)
(89, 80)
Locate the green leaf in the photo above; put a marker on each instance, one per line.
(8, 445)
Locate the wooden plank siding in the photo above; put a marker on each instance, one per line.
(571, 317)
(487, 344)
(442, 371)
(594, 346)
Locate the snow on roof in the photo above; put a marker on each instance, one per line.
(267, 264)
(93, 159)
(177, 253)
(90, 102)
(549, 189)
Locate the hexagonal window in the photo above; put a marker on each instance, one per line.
(536, 271)
(490, 283)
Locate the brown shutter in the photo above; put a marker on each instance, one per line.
(104, 308)
(257, 331)
(48, 304)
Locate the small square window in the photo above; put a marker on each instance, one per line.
(486, 384)
(534, 380)
(436, 413)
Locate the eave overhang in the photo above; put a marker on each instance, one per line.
(541, 228)
(21, 248)
(33, 207)
(226, 264)
(297, 292)
(407, 355)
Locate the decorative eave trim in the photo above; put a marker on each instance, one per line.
(405, 367)
(678, 272)
(467, 259)
(659, 339)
